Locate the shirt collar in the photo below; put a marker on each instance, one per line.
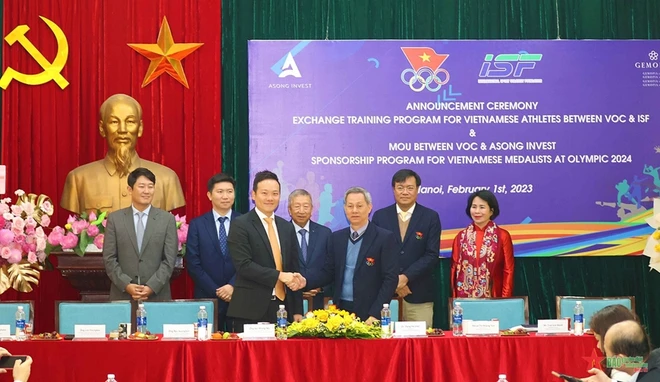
(634, 377)
(145, 212)
(262, 215)
(410, 211)
(216, 215)
(112, 170)
(360, 230)
(298, 228)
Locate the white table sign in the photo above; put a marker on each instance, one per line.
(5, 331)
(258, 331)
(481, 328)
(89, 331)
(179, 331)
(410, 329)
(553, 326)
(3, 179)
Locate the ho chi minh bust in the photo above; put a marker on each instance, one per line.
(102, 185)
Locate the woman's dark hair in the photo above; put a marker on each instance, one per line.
(487, 197)
(602, 320)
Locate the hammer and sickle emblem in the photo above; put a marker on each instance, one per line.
(51, 71)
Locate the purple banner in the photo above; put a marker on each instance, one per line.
(565, 133)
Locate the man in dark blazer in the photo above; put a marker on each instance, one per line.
(207, 254)
(417, 230)
(140, 244)
(313, 241)
(264, 250)
(362, 261)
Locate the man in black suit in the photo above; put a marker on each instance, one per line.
(362, 261)
(628, 343)
(313, 241)
(208, 261)
(417, 231)
(264, 250)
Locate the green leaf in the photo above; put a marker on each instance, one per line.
(52, 248)
(100, 218)
(83, 242)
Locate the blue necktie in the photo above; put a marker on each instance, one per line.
(303, 243)
(354, 235)
(140, 230)
(222, 236)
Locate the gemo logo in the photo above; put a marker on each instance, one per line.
(508, 64)
(290, 68)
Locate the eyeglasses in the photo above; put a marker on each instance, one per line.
(406, 188)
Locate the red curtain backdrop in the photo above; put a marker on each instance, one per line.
(47, 131)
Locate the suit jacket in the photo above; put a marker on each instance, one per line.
(418, 252)
(256, 275)
(206, 265)
(152, 266)
(317, 250)
(373, 285)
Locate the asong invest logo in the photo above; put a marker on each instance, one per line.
(652, 62)
(288, 67)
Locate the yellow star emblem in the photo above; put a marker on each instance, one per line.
(425, 57)
(165, 56)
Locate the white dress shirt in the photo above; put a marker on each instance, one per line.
(298, 235)
(405, 215)
(216, 216)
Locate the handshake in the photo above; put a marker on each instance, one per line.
(295, 281)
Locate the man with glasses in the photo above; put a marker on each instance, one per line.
(417, 231)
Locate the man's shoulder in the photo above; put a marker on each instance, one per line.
(384, 210)
(319, 228)
(119, 213)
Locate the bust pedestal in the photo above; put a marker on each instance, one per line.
(87, 274)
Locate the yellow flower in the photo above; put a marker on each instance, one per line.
(656, 235)
(321, 315)
(334, 323)
(348, 320)
(310, 323)
(657, 248)
(67, 226)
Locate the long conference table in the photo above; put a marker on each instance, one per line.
(447, 358)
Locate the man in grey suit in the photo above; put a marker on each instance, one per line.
(140, 244)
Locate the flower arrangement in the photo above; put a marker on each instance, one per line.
(332, 323)
(181, 233)
(78, 233)
(22, 239)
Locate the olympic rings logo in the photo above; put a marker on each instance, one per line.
(425, 78)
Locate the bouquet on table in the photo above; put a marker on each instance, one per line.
(80, 234)
(332, 323)
(23, 240)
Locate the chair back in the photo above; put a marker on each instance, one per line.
(178, 312)
(8, 313)
(565, 305)
(510, 311)
(68, 314)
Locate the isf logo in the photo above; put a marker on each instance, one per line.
(498, 69)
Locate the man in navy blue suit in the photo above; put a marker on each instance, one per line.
(207, 253)
(362, 261)
(417, 231)
(313, 241)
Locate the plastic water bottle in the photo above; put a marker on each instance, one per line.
(457, 320)
(111, 378)
(578, 319)
(281, 323)
(20, 324)
(502, 378)
(141, 315)
(202, 324)
(386, 321)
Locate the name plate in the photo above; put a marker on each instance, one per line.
(410, 329)
(3, 179)
(259, 331)
(179, 331)
(5, 331)
(89, 331)
(553, 326)
(481, 328)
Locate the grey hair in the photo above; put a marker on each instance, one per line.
(358, 190)
(299, 192)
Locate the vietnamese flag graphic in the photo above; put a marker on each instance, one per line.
(424, 58)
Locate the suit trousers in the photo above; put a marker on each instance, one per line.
(236, 324)
(418, 312)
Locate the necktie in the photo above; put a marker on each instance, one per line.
(277, 256)
(303, 243)
(222, 236)
(354, 235)
(140, 230)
